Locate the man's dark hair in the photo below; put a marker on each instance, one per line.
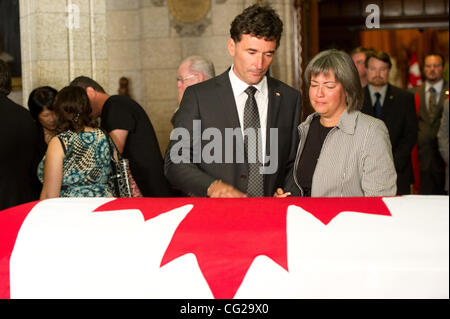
(85, 82)
(5, 78)
(260, 21)
(434, 54)
(380, 55)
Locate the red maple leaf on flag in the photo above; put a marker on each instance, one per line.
(226, 235)
(13, 217)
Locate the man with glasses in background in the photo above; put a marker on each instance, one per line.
(193, 70)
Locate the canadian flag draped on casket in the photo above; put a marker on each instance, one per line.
(395, 247)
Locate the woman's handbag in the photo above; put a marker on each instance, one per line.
(121, 181)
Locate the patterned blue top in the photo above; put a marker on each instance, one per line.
(86, 164)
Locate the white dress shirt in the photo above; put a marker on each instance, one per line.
(261, 97)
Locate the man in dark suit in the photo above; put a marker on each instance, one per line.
(19, 145)
(238, 130)
(429, 100)
(395, 106)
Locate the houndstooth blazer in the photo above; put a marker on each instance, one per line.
(355, 160)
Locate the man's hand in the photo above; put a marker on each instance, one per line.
(280, 193)
(223, 190)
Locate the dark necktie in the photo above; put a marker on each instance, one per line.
(377, 106)
(431, 99)
(432, 107)
(255, 186)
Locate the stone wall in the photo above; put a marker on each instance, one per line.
(138, 39)
(57, 47)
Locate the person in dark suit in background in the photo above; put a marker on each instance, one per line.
(19, 146)
(245, 100)
(429, 99)
(395, 106)
(444, 141)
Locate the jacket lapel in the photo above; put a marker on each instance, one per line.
(273, 108)
(388, 103)
(444, 94)
(367, 104)
(273, 111)
(423, 112)
(226, 97)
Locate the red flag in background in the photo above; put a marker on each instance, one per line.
(414, 78)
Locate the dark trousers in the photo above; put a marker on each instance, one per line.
(403, 189)
(432, 182)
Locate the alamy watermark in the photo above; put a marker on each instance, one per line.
(373, 19)
(73, 16)
(215, 146)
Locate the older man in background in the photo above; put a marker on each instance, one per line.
(193, 70)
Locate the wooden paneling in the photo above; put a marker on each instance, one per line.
(401, 43)
(435, 6)
(394, 13)
(413, 7)
(405, 26)
(392, 8)
(350, 9)
(329, 9)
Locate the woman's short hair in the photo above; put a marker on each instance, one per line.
(345, 72)
(39, 99)
(73, 110)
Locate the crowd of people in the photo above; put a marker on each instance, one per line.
(366, 136)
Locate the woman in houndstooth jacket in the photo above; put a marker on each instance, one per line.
(342, 152)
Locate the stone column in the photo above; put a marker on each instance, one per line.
(62, 39)
(160, 56)
(124, 46)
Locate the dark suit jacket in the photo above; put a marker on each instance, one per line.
(399, 115)
(19, 149)
(429, 124)
(213, 103)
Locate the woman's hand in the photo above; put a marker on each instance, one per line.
(280, 193)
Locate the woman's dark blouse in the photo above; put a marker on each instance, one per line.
(310, 154)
